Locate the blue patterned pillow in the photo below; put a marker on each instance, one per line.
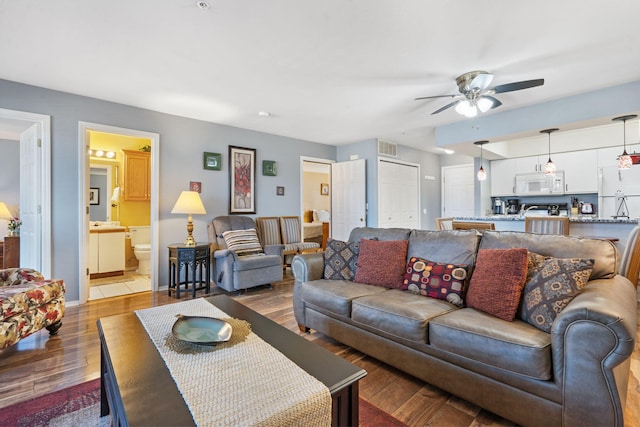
(551, 285)
(340, 259)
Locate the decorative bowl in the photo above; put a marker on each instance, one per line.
(201, 330)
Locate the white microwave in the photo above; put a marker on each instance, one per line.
(531, 184)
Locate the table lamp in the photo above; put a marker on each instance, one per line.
(4, 212)
(189, 203)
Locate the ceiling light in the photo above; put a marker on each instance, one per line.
(264, 114)
(482, 174)
(549, 168)
(466, 108)
(484, 104)
(624, 160)
(203, 5)
(448, 151)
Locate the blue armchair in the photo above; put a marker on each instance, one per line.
(235, 268)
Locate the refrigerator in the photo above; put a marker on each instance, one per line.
(619, 192)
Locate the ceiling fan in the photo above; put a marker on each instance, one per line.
(476, 95)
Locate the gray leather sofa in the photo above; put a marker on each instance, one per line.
(575, 376)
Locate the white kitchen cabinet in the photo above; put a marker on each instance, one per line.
(530, 164)
(106, 253)
(580, 170)
(503, 174)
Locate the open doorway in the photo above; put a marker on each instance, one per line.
(118, 194)
(315, 199)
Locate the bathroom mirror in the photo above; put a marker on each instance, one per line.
(100, 177)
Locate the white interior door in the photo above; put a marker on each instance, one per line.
(398, 195)
(30, 208)
(348, 197)
(458, 184)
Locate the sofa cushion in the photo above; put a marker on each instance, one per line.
(436, 279)
(340, 259)
(382, 262)
(497, 282)
(359, 233)
(513, 346)
(398, 314)
(335, 296)
(451, 246)
(551, 285)
(602, 251)
(243, 242)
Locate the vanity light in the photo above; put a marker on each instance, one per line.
(624, 160)
(102, 154)
(549, 168)
(189, 203)
(482, 174)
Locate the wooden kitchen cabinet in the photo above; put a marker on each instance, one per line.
(137, 175)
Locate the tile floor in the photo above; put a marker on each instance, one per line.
(129, 283)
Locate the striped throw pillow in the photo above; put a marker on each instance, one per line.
(243, 242)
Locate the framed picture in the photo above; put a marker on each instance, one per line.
(242, 180)
(94, 196)
(195, 186)
(324, 189)
(269, 168)
(280, 191)
(213, 161)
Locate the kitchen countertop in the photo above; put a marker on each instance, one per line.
(573, 219)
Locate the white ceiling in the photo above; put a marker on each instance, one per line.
(330, 71)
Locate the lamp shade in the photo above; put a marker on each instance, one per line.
(189, 202)
(4, 212)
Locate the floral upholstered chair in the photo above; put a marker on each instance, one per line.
(29, 303)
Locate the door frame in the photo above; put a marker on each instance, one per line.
(44, 196)
(83, 190)
(315, 160)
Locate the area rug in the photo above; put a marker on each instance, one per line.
(79, 406)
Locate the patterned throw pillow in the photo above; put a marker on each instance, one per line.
(551, 285)
(497, 281)
(382, 262)
(436, 279)
(243, 242)
(340, 259)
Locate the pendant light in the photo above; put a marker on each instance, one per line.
(482, 174)
(624, 160)
(549, 168)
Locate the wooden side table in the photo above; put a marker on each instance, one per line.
(189, 267)
(11, 250)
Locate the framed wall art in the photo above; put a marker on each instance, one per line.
(279, 191)
(269, 168)
(195, 186)
(213, 161)
(94, 196)
(242, 180)
(324, 189)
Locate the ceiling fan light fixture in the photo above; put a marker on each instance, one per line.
(484, 104)
(467, 108)
(624, 160)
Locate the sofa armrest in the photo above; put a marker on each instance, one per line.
(592, 341)
(306, 267)
(19, 276)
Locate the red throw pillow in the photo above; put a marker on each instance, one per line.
(497, 282)
(382, 262)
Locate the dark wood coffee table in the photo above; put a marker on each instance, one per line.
(137, 388)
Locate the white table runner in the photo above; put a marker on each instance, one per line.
(243, 382)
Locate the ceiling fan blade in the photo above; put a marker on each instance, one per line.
(496, 101)
(439, 110)
(525, 84)
(435, 96)
(481, 81)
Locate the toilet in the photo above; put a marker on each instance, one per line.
(141, 244)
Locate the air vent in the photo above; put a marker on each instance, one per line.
(387, 148)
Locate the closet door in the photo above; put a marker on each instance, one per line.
(398, 195)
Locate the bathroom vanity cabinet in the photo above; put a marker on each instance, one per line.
(137, 175)
(106, 252)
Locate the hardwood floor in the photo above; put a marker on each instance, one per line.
(38, 364)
